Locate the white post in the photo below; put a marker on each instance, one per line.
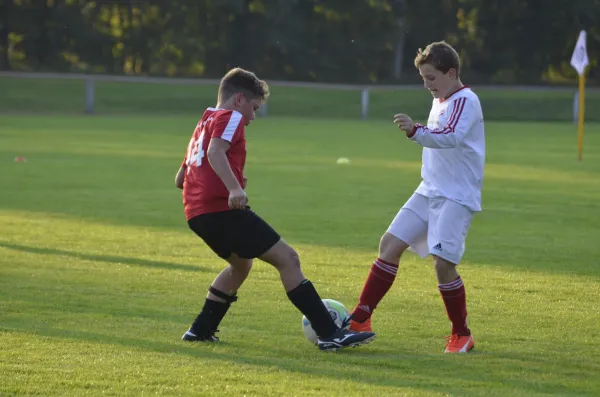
(364, 102)
(262, 111)
(89, 95)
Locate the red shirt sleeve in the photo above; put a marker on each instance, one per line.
(227, 126)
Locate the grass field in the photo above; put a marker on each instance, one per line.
(51, 96)
(99, 275)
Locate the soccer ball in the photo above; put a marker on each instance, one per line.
(338, 313)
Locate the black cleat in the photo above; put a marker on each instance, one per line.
(345, 338)
(189, 336)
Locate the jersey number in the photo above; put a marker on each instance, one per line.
(195, 153)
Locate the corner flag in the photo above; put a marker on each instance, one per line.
(579, 61)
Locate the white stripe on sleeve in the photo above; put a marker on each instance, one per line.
(232, 126)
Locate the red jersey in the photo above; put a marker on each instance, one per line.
(203, 190)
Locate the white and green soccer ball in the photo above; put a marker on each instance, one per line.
(338, 313)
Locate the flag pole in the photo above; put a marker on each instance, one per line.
(579, 61)
(581, 116)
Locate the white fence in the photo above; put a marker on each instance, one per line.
(364, 90)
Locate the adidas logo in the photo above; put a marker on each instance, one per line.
(438, 247)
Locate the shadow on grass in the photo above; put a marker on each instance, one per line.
(104, 258)
(451, 375)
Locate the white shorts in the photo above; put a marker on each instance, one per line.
(436, 226)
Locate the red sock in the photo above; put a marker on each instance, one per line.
(380, 279)
(455, 299)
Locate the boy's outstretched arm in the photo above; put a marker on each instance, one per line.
(451, 135)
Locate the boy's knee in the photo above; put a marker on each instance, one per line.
(286, 260)
(282, 257)
(391, 248)
(293, 260)
(240, 264)
(442, 265)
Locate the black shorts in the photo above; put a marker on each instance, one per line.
(235, 231)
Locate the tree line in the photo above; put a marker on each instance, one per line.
(351, 41)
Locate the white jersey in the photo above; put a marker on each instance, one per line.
(453, 149)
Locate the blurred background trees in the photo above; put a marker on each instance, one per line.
(359, 41)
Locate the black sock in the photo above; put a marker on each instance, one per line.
(306, 298)
(209, 318)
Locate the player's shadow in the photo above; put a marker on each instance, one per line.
(419, 376)
(104, 258)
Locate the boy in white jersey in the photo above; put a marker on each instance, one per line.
(436, 219)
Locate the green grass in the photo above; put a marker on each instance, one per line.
(99, 275)
(37, 96)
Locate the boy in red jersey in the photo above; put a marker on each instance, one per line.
(436, 218)
(215, 204)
